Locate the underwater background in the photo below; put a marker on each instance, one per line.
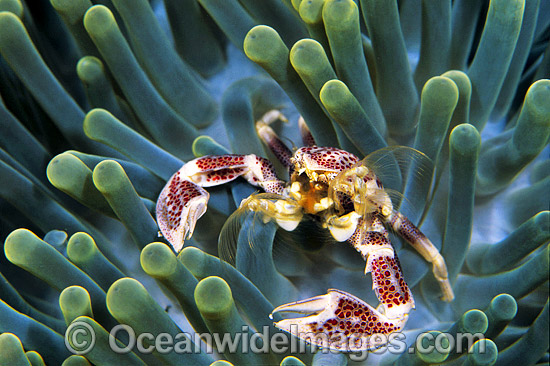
(102, 101)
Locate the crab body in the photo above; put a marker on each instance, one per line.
(347, 198)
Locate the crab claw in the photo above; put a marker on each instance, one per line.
(194, 209)
(339, 321)
(343, 227)
(286, 212)
(179, 206)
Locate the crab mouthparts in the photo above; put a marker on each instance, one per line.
(311, 195)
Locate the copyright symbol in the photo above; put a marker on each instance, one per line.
(79, 338)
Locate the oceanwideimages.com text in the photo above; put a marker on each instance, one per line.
(80, 339)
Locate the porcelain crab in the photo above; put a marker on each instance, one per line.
(346, 196)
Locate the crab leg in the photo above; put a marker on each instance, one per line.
(372, 241)
(183, 201)
(408, 231)
(341, 321)
(371, 195)
(270, 138)
(307, 137)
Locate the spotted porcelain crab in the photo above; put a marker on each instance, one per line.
(347, 198)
